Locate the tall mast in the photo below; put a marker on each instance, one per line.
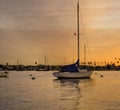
(78, 34)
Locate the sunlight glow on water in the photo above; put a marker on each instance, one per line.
(20, 92)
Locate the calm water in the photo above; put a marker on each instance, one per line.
(20, 92)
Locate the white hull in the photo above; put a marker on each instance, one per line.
(4, 74)
(81, 74)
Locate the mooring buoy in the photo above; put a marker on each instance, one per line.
(33, 78)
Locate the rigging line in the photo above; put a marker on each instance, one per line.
(85, 34)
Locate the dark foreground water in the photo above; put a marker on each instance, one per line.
(20, 92)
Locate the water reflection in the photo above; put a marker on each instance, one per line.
(73, 90)
(67, 82)
(74, 82)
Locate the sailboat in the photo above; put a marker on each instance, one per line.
(73, 70)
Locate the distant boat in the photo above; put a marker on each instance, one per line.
(73, 70)
(4, 74)
(44, 69)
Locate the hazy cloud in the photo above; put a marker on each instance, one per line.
(29, 28)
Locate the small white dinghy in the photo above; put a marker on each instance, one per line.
(4, 74)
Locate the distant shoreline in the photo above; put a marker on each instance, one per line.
(107, 67)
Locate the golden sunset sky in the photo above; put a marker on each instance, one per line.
(31, 29)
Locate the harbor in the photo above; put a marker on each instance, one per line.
(59, 55)
(19, 92)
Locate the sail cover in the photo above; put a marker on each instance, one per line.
(70, 68)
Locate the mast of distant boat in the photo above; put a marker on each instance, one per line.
(78, 34)
(84, 55)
